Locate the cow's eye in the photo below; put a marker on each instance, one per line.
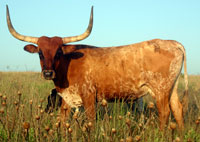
(41, 55)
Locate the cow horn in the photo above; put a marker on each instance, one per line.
(82, 36)
(17, 35)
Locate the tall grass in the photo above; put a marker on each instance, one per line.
(23, 98)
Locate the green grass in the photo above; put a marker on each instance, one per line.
(114, 122)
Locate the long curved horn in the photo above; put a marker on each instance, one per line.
(82, 36)
(17, 35)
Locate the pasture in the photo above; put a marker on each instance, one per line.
(23, 98)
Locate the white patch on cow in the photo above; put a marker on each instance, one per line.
(177, 62)
(176, 65)
(146, 89)
(72, 97)
(159, 81)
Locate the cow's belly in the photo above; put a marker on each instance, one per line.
(126, 91)
(108, 91)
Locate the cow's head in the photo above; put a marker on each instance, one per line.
(49, 49)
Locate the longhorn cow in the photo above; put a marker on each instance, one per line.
(83, 74)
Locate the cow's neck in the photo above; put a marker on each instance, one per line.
(61, 80)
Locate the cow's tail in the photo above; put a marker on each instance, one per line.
(185, 95)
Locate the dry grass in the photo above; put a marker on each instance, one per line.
(22, 118)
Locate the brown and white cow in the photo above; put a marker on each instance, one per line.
(83, 74)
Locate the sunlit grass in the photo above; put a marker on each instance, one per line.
(23, 100)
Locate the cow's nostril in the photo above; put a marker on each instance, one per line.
(48, 74)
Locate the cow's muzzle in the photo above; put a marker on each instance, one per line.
(48, 74)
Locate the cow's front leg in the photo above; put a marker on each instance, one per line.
(65, 110)
(89, 106)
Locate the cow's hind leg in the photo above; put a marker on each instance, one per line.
(162, 102)
(176, 106)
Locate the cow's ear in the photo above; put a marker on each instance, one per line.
(68, 48)
(31, 48)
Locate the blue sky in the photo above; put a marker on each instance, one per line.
(116, 22)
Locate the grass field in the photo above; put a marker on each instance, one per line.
(23, 98)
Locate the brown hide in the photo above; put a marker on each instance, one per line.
(116, 70)
(127, 72)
